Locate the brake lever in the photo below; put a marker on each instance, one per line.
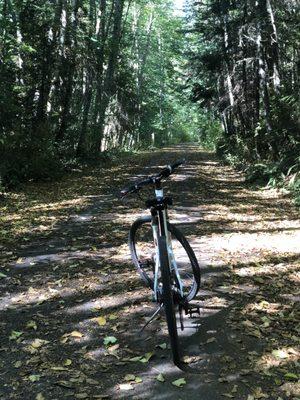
(131, 192)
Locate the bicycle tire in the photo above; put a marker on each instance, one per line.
(167, 299)
(175, 232)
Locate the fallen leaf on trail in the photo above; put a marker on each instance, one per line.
(39, 396)
(113, 349)
(129, 377)
(81, 396)
(146, 357)
(126, 386)
(162, 346)
(59, 368)
(109, 340)
(291, 376)
(138, 379)
(211, 340)
(229, 395)
(134, 359)
(14, 335)
(234, 389)
(191, 359)
(76, 334)
(248, 323)
(34, 378)
(101, 321)
(67, 362)
(37, 343)
(32, 325)
(2, 275)
(179, 382)
(280, 353)
(17, 364)
(112, 317)
(160, 378)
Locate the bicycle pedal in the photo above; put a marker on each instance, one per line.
(192, 310)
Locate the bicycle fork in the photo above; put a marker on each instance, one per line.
(172, 262)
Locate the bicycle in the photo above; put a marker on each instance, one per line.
(154, 245)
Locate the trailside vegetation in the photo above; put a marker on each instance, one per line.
(80, 78)
(245, 70)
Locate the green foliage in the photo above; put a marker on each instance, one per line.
(34, 158)
(209, 130)
(239, 71)
(86, 80)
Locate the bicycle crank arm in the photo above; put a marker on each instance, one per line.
(190, 310)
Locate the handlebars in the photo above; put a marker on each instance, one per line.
(153, 179)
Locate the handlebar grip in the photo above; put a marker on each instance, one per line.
(129, 189)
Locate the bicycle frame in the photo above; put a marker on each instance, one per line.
(159, 212)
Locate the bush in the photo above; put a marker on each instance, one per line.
(28, 158)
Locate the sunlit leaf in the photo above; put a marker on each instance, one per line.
(109, 340)
(280, 353)
(291, 376)
(18, 364)
(179, 382)
(76, 334)
(134, 359)
(101, 321)
(146, 357)
(126, 386)
(31, 325)
(37, 343)
(160, 378)
(129, 377)
(34, 378)
(15, 335)
(211, 340)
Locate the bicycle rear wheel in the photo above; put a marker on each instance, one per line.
(168, 298)
(143, 255)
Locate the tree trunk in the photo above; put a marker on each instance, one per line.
(108, 85)
(69, 65)
(274, 56)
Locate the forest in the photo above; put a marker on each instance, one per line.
(80, 79)
(101, 102)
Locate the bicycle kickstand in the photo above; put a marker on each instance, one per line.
(152, 317)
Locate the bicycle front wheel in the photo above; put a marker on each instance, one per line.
(168, 299)
(181, 256)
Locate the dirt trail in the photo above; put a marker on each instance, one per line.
(67, 283)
